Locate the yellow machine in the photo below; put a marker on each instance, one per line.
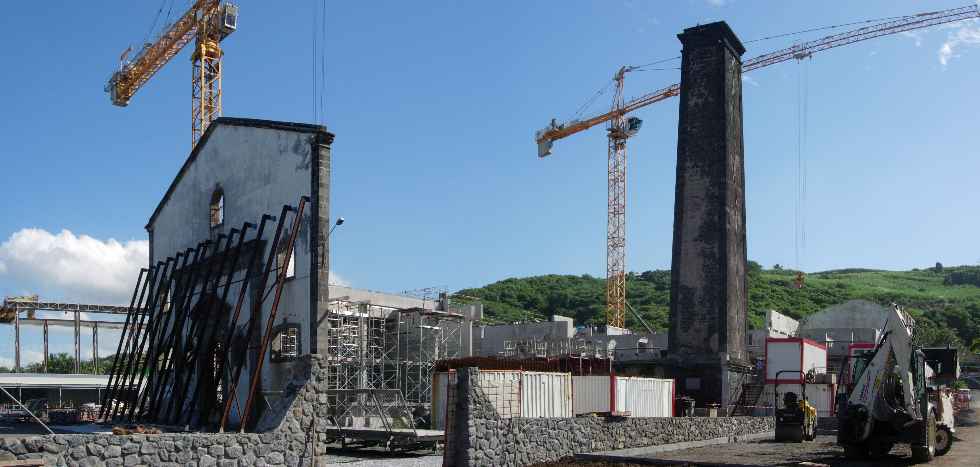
(796, 418)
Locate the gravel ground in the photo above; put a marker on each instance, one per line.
(821, 452)
(379, 458)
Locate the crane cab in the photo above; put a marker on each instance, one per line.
(228, 19)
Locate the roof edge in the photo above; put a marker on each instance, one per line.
(233, 121)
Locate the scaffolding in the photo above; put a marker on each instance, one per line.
(374, 347)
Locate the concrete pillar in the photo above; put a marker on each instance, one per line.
(708, 292)
(320, 243)
(45, 332)
(78, 344)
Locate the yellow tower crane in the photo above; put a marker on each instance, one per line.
(208, 22)
(621, 127)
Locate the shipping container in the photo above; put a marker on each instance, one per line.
(512, 393)
(644, 397)
(821, 396)
(798, 355)
(590, 394)
(545, 395)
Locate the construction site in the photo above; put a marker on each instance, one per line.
(236, 348)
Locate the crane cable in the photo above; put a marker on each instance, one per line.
(319, 60)
(802, 112)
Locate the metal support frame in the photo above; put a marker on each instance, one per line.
(144, 278)
(133, 364)
(233, 321)
(180, 311)
(270, 322)
(212, 320)
(236, 373)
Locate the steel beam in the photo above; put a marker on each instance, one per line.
(270, 322)
(256, 313)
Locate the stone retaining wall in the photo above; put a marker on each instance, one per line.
(285, 436)
(477, 436)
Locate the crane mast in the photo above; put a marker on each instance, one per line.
(207, 22)
(620, 128)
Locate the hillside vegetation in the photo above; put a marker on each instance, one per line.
(945, 301)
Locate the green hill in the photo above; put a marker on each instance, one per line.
(945, 301)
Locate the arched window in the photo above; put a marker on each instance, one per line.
(217, 207)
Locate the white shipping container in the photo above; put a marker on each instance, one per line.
(590, 394)
(792, 356)
(512, 393)
(821, 396)
(546, 395)
(644, 397)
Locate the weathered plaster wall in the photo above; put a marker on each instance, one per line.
(259, 166)
(477, 436)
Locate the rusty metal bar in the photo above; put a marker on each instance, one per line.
(270, 323)
(257, 305)
(233, 321)
(203, 397)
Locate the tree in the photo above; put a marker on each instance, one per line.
(939, 267)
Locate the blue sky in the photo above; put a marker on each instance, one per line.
(435, 105)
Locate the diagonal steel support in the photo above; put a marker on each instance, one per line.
(270, 322)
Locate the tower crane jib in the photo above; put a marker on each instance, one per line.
(621, 128)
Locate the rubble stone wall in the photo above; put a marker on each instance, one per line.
(285, 436)
(477, 436)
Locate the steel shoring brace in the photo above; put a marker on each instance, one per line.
(215, 315)
(260, 287)
(140, 326)
(184, 343)
(181, 346)
(132, 363)
(266, 337)
(180, 311)
(233, 321)
(144, 274)
(190, 348)
(166, 330)
(145, 348)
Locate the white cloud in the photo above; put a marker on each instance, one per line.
(717, 2)
(967, 33)
(80, 267)
(749, 80)
(914, 35)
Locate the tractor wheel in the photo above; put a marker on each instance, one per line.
(944, 440)
(922, 453)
